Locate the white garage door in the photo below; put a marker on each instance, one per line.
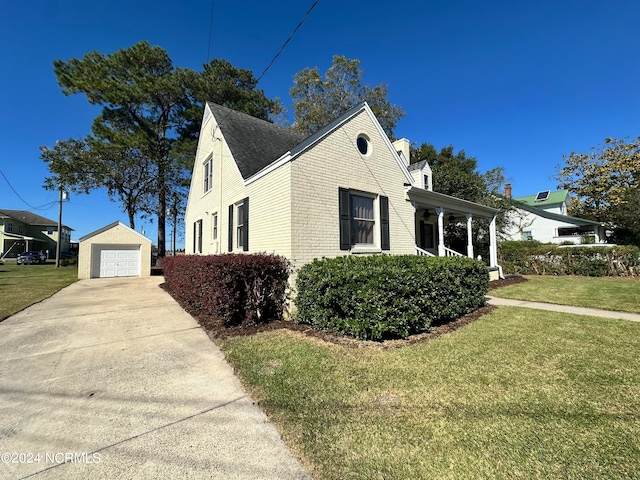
(120, 261)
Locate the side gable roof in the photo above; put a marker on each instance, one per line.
(323, 132)
(259, 146)
(29, 218)
(254, 143)
(554, 198)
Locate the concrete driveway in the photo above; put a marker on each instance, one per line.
(110, 378)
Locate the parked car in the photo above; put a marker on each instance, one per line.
(28, 258)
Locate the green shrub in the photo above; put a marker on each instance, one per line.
(587, 239)
(550, 259)
(388, 296)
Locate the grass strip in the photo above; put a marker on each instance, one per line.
(606, 293)
(24, 285)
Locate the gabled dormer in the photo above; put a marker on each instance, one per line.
(422, 175)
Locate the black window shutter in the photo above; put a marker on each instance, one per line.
(245, 230)
(231, 228)
(345, 218)
(385, 243)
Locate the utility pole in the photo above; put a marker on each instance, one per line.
(63, 196)
(59, 229)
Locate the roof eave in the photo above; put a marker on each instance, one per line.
(450, 203)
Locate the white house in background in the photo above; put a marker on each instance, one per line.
(346, 190)
(543, 217)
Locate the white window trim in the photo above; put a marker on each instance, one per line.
(197, 236)
(238, 208)
(368, 247)
(207, 171)
(214, 227)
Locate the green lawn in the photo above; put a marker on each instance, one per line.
(607, 293)
(515, 394)
(24, 285)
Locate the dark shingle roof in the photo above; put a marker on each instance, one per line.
(417, 166)
(27, 217)
(254, 143)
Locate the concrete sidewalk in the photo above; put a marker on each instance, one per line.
(634, 317)
(110, 378)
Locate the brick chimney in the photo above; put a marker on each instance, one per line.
(507, 190)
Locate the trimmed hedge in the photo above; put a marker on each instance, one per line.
(533, 258)
(388, 296)
(237, 289)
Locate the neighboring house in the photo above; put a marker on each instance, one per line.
(543, 217)
(346, 190)
(23, 231)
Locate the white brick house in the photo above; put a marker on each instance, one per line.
(347, 189)
(543, 217)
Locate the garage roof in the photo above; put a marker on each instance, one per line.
(109, 227)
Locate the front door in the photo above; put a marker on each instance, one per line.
(426, 236)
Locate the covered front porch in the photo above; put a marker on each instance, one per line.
(14, 244)
(433, 211)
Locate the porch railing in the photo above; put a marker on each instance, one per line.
(452, 253)
(420, 251)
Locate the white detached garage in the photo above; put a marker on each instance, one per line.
(114, 251)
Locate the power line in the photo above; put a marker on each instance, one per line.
(288, 40)
(306, 15)
(17, 194)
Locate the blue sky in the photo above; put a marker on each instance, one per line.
(514, 84)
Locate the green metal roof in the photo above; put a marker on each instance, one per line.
(554, 197)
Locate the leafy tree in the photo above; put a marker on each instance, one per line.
(605, 185)
(127, 173)
(454, 174)
(317, 102)
(151, 113)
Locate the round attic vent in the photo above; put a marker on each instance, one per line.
(363, 144)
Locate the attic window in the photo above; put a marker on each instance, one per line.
(363, 144)
(542, 196)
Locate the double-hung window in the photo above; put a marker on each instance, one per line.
(214, 226)
(364, 220)
(208, 175)
(197, 237)
(239, 226)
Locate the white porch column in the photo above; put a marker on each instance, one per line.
(493, 243)
(469, 236)
(440, 212)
